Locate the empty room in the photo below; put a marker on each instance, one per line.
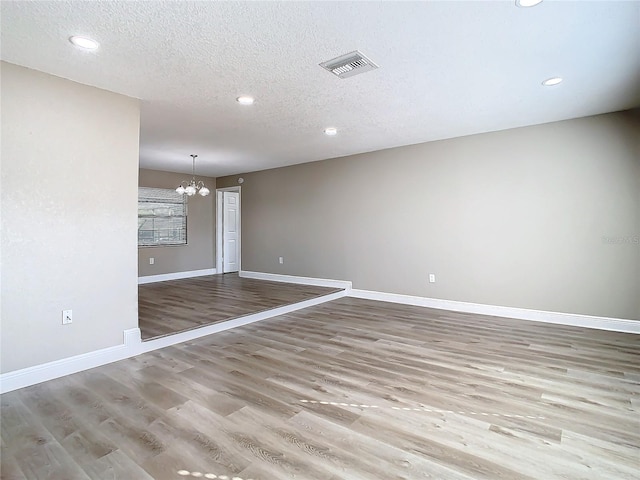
(320, 240)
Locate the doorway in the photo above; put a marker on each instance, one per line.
(228, 251)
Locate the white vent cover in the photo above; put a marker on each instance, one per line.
(348, 65)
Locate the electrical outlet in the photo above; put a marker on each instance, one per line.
(67, 317)
(432, 278)
(281, 260)
(152, 260)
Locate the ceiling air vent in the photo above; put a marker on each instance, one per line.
(348, 65)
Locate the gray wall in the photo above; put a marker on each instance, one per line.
(69, 188)
(199, 253)
(516, 218)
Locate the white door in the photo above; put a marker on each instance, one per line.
(230, 224)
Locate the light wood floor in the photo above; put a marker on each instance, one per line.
(165, 308)
(351, 389)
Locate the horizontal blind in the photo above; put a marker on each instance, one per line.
(162, 217)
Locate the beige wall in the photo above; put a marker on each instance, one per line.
(199, 252)
(69, 207)
(513, 218)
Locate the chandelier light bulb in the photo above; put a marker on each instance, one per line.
(193, 186)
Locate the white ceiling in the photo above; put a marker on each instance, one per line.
(447, 69)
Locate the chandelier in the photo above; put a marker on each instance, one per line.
(190, 188)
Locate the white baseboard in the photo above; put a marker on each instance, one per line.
(132, 337)
(176, 276)
(275, 277)
(132, 345)
(236, 322)
(576, 320)
(59, 368)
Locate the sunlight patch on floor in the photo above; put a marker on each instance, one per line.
(422, 409)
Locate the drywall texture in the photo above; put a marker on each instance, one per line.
(69, 216)
(544, 217)
(199, 252)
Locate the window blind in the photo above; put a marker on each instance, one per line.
(162, 217)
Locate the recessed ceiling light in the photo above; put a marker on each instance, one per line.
(245, 100)
(527, 3)
(331, 131)
(84, 42)
(550, 82)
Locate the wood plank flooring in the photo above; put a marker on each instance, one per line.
(165, 308)
(351, 389)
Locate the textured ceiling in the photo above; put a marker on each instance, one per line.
(447, 69)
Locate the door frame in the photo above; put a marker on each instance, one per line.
(219, 229)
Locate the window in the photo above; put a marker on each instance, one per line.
(162, 217)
